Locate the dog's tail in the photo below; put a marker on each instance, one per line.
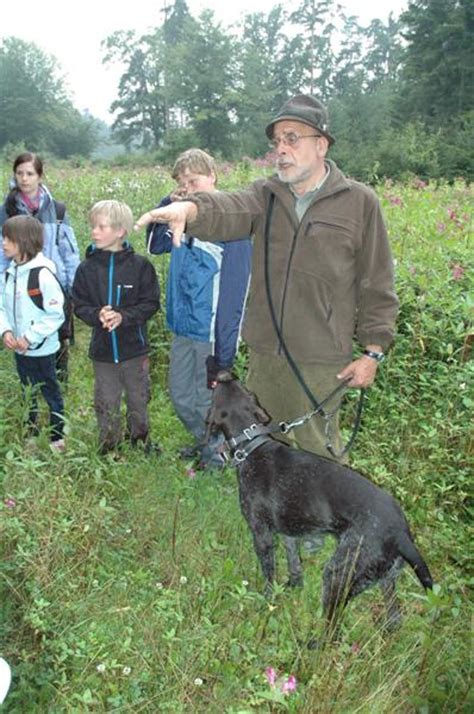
(410, 553)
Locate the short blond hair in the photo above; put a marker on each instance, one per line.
(118, 214)
(195, 160)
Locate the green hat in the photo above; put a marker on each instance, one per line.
(306, 109)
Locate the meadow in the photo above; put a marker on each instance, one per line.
(129, 584)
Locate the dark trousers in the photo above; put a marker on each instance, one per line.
(39, 374)
(131, 378)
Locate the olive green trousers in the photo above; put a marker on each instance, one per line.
(281, 395)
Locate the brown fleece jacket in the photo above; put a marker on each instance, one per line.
(331, 275)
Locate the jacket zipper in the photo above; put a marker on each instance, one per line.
(293, 248)
(14, 298)
(113, 335)
(285, 288)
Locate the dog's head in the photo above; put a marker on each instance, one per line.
(233, 407)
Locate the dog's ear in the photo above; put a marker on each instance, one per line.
(261, 415)
(224, 375)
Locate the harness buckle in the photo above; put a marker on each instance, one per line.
(239, 456)
(284, 427)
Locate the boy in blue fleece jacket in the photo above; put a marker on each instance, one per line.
(206, 291)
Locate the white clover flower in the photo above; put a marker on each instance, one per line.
(159, 586)
(126, 671)
(245, 583)
(101, 668)
(198, 682)
(183, 580)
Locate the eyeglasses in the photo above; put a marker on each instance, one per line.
(290, 139)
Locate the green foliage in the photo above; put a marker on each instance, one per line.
(130, 583)
(438, 73)
(34, 107)
(396, 107)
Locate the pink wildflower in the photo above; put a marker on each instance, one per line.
(355, 648)
(289, 685)
(395, 200)
(419, 183)
(457, 271)
(453, 217)
(191, 473)
(271, 676)
(10, 502)
(441, 227)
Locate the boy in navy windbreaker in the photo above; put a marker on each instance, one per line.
(116, 291)
(206, 290)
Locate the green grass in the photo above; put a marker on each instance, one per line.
(126, 585)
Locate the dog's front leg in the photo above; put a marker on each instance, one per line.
(295, 568)
(264, 547)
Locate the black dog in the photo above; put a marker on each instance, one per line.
(294, 492)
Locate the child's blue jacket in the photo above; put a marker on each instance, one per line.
(206, 288)
(20, 315)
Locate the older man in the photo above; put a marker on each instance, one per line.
(322, 271)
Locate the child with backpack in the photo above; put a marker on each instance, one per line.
(115, 292)
(28, 329)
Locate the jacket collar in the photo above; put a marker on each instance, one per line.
(92, 251)
(39, 261)
(335, 182)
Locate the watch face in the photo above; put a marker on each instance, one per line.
(378, 356)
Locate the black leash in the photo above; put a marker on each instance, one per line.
(318, 406)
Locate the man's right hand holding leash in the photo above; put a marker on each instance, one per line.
(176, 215)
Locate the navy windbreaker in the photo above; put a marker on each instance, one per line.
(127, 281)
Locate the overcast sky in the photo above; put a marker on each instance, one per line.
(73, 31)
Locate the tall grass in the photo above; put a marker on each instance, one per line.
(129, 584)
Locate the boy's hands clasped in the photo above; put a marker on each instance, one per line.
(110, 318)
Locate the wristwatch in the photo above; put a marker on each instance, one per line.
(377, 356)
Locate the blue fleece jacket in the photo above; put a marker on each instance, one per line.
(206, 288)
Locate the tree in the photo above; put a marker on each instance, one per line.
(34, 106)
(438, 74)
(203, 68)
(141, 102)
(256, 91)
(310, 52)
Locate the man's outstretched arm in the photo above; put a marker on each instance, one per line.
(176, 214)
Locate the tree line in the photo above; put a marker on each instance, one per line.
(400, 93)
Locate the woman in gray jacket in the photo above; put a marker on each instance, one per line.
(29, 196)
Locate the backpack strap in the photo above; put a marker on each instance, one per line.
(33, 288)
